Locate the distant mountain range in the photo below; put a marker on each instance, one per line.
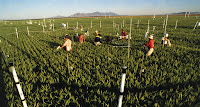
(113, 14)
(94, 14)
(182, 13)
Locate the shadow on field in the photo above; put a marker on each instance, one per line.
(3, 100)
(74, 89)
(166, 87)
(51, 44)
(89, 92)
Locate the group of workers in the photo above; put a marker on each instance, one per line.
(98, 41)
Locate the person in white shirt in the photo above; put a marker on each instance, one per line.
(67, 44)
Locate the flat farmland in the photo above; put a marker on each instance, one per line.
(171, 75)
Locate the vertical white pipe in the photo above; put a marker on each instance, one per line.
(53, 27)
(185, 14)
(100, 24)
(43, 28)
(148, 27)
(118, 28)
(16, 32)
(24, 103)
(91, 24)
(176, 24)
(122, 82)
(123, 23)
(189, 14)
(129, 37)
(120, 101)
(164, 24)
(138, 23)
(28, 30)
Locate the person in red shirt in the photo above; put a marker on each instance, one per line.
(123, 34)
(150, 45)
(81, 38)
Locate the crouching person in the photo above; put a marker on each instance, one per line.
(67, 44)
(98, 39)
(166, 42)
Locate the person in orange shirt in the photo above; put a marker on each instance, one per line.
(81, 38)
(67, 44)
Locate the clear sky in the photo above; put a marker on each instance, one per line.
(26, 9)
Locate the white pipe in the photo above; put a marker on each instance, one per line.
(163, 24)
(43, 28)
(120, 101)
(16, 32)
(53, 26)
(14, 74)
(189, 14)
(91, 24)
(18, 86)
(100, 24)
(122, 82)
(166, 25)
(28, 30)
(138, 23)
(123, 23)
(176, 24)
(195, 25)
(148, 27)
(24, 103)
(20, 91)
(185, 14)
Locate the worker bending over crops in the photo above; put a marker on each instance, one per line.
(123, 34)
(166, 41)
(67, 44)
(98, 38)
(76, 38)
(81, 38)
(109, 39)
(81, 27)
(150, 45)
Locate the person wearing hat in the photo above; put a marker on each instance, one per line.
(65, 36)
(166, 41)
(150, 45)
(81, 38)
(81, 27)
(67, 44)
(98, 38)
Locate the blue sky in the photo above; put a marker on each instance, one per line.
(26, 9)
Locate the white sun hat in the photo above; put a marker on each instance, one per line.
(151, 36)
